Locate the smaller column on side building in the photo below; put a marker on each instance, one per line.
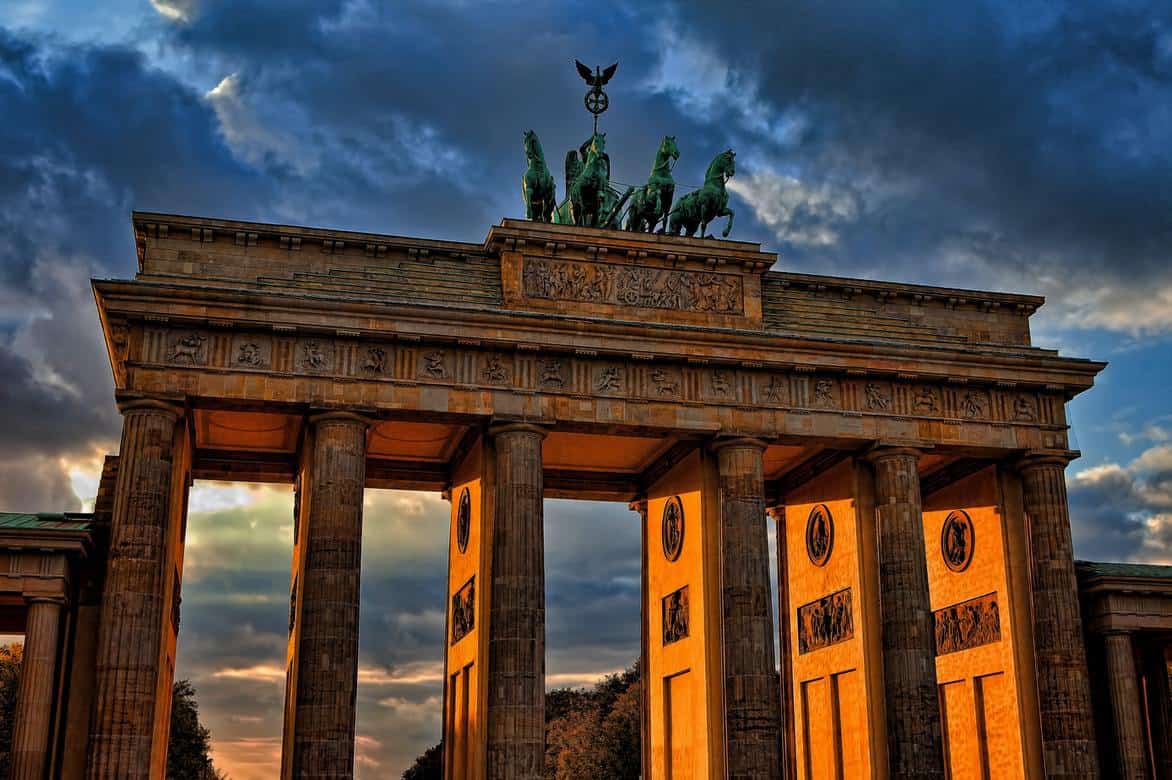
(326, 646)
(38, 681)
(785, 645)
(751, 695)
(131, 677)
(1123, 685)
(516, 643)
(914, 742)
(1064, 695)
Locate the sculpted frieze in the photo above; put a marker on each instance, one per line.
(967, 625)
(636, 286)
(639, 378)
(826, 621)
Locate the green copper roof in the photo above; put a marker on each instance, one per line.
(1145, 570)
(45, 521)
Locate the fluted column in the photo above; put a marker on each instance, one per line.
(751, 696)
(34, 701)
(327, 649)
(914, 743)
(516, 642)
(1123, 684)
(640, 506)
(1064, 695)
(133, 608)
(784, 643)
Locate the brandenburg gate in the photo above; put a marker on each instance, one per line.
(908, 444)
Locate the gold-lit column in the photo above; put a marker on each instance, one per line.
(1064, 694)
(327, 646)
(516, 643)
(788, 746)
(914, 742)
(128, 669)
(34, 702)
(751, 696)
(1123, 683)
(640, 506)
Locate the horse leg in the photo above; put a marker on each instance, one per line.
(727, 228)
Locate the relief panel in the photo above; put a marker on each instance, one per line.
(825, 622)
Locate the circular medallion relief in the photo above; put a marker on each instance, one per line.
(956, 541)
(673, 528)
(819, 535)
(463, 520)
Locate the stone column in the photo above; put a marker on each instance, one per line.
(640, 506)
(1064, 694)
(38, 678)
(327, 648)
(1123, 684)
(751, 696)
(786, 710)
(516, 642)
(914, 744)
(133, 608)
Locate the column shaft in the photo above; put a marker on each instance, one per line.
(133, 608)
(1064, 695)
(327, 649)
(640, 506)
(516, 642)
(751, 694)
(1123, 683)
(914, 744)
(34, 702)
(788, 743)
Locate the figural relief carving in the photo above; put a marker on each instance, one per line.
(819, 535)
(188, 348)
(1024, 409)
(720, 383)
(551, 373)
(956, 541)
(433, 365)
(495, 371)
(824, 393)
(665, 384)
(675, 616)
(877, 397)
(249, 354)
(672, 528)
(973, 404)
(608, 379)
(657, 288)
(316, 356)
(375, 361)
(463, 521)
(927, 401)
(966, 625)
(775, 390)
(826, 621)
(464, 611)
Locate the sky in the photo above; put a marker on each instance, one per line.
(1017, 145)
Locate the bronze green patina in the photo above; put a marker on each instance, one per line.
(590, 199)
(651, 203)
(697, 209)
(537, 186)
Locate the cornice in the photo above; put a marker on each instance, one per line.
(149, 300)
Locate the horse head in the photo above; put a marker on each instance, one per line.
(722, 167)
(532, 146)
(668, 149)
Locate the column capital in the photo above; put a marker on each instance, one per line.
(46, 598)
(148, 405)
(501, 428)
(776, 512)
(746, 442)
(882, 451)
(1037, 458)
(340, 416)
(638, 505)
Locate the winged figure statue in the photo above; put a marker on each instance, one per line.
(598, 77)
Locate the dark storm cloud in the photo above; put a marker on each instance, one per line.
(1013, 132)
(1125, 512)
